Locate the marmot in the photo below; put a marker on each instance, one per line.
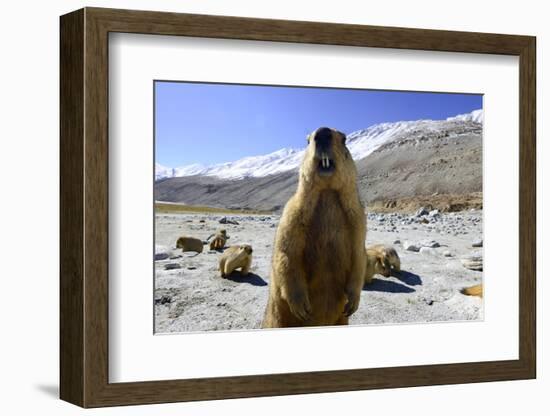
(318, 262)
(219, 240)
(236, 257)
(381, 259)
(189, 244)
(374, 265)
(476, 290)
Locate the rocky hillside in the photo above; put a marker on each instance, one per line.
(394, 161)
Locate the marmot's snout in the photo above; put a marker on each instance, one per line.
(386, 269)
(323, 142)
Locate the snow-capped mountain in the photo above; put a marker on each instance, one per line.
(360, 143)
(476, 116)
(253, 166)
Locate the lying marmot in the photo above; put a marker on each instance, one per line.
(189, 244)
(219, 240)
(476, 290)
(318, 262)
(236, 257)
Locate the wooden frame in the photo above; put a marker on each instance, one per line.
(84, 207)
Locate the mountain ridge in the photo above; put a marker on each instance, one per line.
(361, 143)
(421, 158)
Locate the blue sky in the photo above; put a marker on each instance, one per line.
(213, 123)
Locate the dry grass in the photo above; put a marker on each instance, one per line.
(171, 208)
(443, 202)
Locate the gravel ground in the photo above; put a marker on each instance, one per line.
(191, 296)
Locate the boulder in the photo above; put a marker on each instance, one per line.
(161, 253)
(429, 244)
(411, 247)
(422, 211)
(473, 262)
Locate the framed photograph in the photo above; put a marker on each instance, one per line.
(254, 207)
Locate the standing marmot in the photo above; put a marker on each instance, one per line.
(380, 260)
(236, 257)
(189, 244)
(318, 263)
(219, 240)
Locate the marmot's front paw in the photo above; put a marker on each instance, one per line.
(300, 307)
(352, 305)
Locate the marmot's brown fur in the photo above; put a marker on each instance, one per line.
(374, 265)
(219, 240)
(318, 262)
(476, 290)
(189, 244)
(381, 259)
(236, 257)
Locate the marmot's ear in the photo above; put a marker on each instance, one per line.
(344, 138)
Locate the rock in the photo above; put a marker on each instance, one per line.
(473, 262)
(477, 243)
(224, 220)
(410, 246)
(191, 268)
(163, 300)
(424, 221)
(433, 213)
(172, 266)
(421, 211)
(202, 221)
(428, 251)
(429, 244)
(161, 252)
(447, 253)
(397, 242)
(161, 256)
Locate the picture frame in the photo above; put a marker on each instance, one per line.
(84, 215)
